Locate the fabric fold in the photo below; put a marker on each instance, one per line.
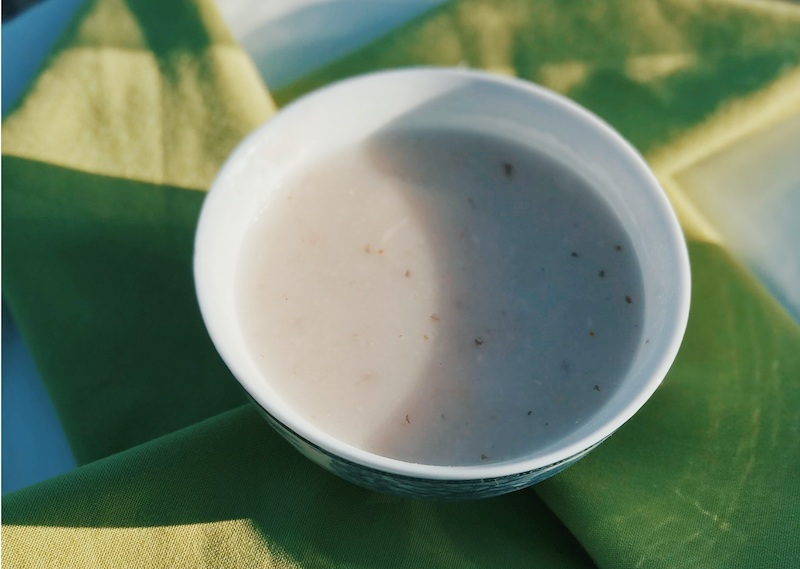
(140, 102)
(229, 491)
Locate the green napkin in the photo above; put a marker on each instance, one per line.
(135, 111)
(102, 163)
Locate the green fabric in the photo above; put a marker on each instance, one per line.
(97, 272)
(97, 234)
(136, 110)
(650, 68)
(189, 498)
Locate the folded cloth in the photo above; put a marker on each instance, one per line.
(102, 160)
(230, 492)
(104, 163)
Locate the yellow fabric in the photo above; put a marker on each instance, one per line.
(229, 543)
(123, 98)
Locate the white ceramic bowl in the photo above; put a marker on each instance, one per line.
(347, 112)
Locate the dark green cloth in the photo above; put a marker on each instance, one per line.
(132, 114)
(102, 161)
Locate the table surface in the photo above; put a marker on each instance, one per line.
(290, 38)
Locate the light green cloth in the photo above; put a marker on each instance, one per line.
(101, 162)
